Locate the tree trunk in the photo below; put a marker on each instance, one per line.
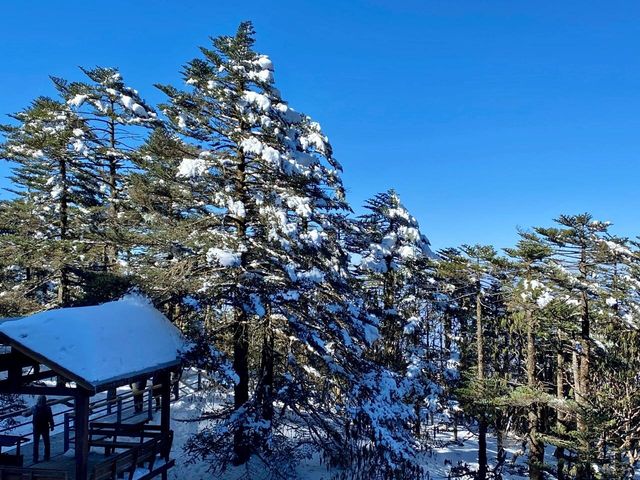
(482, 448)
(536, 447)
(584, 462)
(267, 366)
(111, 250)
(63, 287)
(241, 444)
(391, 355)
(560, 415)
(482, 422)
(479, 336)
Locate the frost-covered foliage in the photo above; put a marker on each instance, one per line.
(252, 200)
(116, 117)
(56, 194)
(389, 236)
(395, 272)
(394, 256)
(9, 406)
(66, 226)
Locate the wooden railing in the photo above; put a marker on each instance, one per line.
(121, 406)
(151, 455)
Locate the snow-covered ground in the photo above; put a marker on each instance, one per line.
(438, 462)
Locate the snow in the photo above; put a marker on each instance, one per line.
(100, 343)
(56, 192)
(236, 209)
(136, 108)
(446, 454)
(252, 146)
(264, 62)
(77, 101)
(288, 114)
(617, 248)
(371, 333)
(313, 275)
(182, 122)
(272, 155)
(192, 167)
(223, 257)
(257, 99)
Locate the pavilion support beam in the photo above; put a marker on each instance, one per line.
(81, 422)
(16, 378)
(165, 398)
(38, 390)
(15, 359)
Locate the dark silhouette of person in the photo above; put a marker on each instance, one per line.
(176, 376)
(137, 388)
(42, 422)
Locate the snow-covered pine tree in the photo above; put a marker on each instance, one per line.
(57, 193)
(265, 245)
(21, 272)
(116, 116)
(168, 217)
(580, 271)
(392, 249)
(472, 272)
(617, 339)
(528, 297)
(395, 271)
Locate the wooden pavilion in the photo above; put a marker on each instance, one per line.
(79, 353)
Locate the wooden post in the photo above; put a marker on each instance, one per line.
(150, 403)
(81, 420)
(119, 411)
(165, 399)
(111, 396)
(67, 427)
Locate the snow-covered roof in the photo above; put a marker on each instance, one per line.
(99, 344)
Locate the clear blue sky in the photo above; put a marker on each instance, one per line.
(483, 115)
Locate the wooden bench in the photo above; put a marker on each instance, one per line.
(102, 434)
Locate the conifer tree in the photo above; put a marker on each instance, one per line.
(529, 295)
(115, 115)
(576, 247)
(392, 248)
(56, 193)
(259, 186)
(395, 272)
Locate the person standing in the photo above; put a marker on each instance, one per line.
(157, 389)
(42, 423)
(176, 376)
(137, 388)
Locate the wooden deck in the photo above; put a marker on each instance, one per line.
(114, 449)
(68, 463)
(100, 466)
(57, 441)
(57, 450)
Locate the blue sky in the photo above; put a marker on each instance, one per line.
(484, 116)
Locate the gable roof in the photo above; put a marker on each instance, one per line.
(101, 344)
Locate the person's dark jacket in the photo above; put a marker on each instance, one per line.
(42, 418)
